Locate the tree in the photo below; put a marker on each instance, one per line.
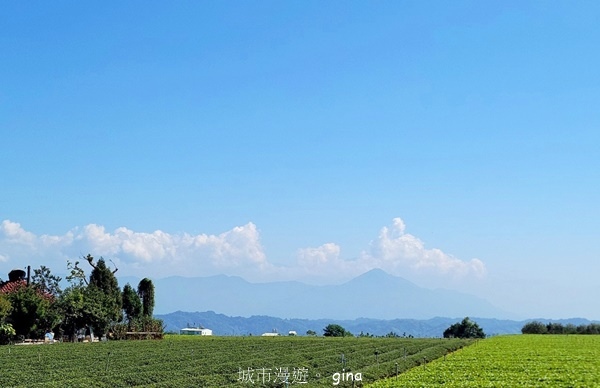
(44, 281)
(103, 301)
(555, 328)
(132, 305)
(99, 310)
(333, 330)
(311, 333)
(146, 293)
(32, 312)
(5, 307)
(71, 307)
(465, 329)
(76, 276)
(534, 327)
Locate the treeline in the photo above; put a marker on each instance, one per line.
(536, 327)
(36, 307)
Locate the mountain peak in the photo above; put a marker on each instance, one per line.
(374, 294)
(380, 277)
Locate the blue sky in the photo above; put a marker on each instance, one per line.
(451, 143)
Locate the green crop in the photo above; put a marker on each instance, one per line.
(511, 361)
(186, 361)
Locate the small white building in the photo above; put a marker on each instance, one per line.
(195, 331)
(270, 334)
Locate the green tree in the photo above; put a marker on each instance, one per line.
(555, 328)
(465, 329)
(132, 305)
(71, 306)
(146, 293)
(76, 275)
(5, 307)
(534, 327)
(333, 330)
(32, 312)
(98, 310)
(103, 301)
(44, 281)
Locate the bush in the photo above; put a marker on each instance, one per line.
(7, 333)
(465, 329)
(534, 327)
(333, 330)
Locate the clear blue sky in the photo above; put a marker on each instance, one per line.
(455, 144)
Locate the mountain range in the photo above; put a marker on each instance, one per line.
(375, 302)
(221, 324)
(374, 294)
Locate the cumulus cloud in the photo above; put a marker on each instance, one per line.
(235, 252)
(394, 251)
(320, 256)
(13, 232)
(395, 248)
(158, 251)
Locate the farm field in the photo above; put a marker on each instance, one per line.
(511, 361)
(186, 361)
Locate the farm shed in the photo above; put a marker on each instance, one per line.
(195, 331)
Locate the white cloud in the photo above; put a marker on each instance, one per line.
(395, 248)
(14, 233)
(394, 251)
(235, 252)
(158, 253)
(321, 256)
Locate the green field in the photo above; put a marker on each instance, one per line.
(185, 361)
(512, 361)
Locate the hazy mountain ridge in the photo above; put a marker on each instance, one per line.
(375, 294)
(255, 325)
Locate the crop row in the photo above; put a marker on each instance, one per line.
(511, 361)
(214, 361)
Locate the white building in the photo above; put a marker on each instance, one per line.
(194, 331)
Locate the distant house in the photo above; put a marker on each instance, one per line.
(195, 331)
(292, 332)
(270, 334)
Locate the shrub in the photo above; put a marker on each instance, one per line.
(7, 333)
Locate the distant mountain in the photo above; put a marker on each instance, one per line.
(256, 325)
(375, 294)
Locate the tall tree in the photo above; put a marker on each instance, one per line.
(71, 306)
(146, 293)
(102, 297)
(132, 305)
